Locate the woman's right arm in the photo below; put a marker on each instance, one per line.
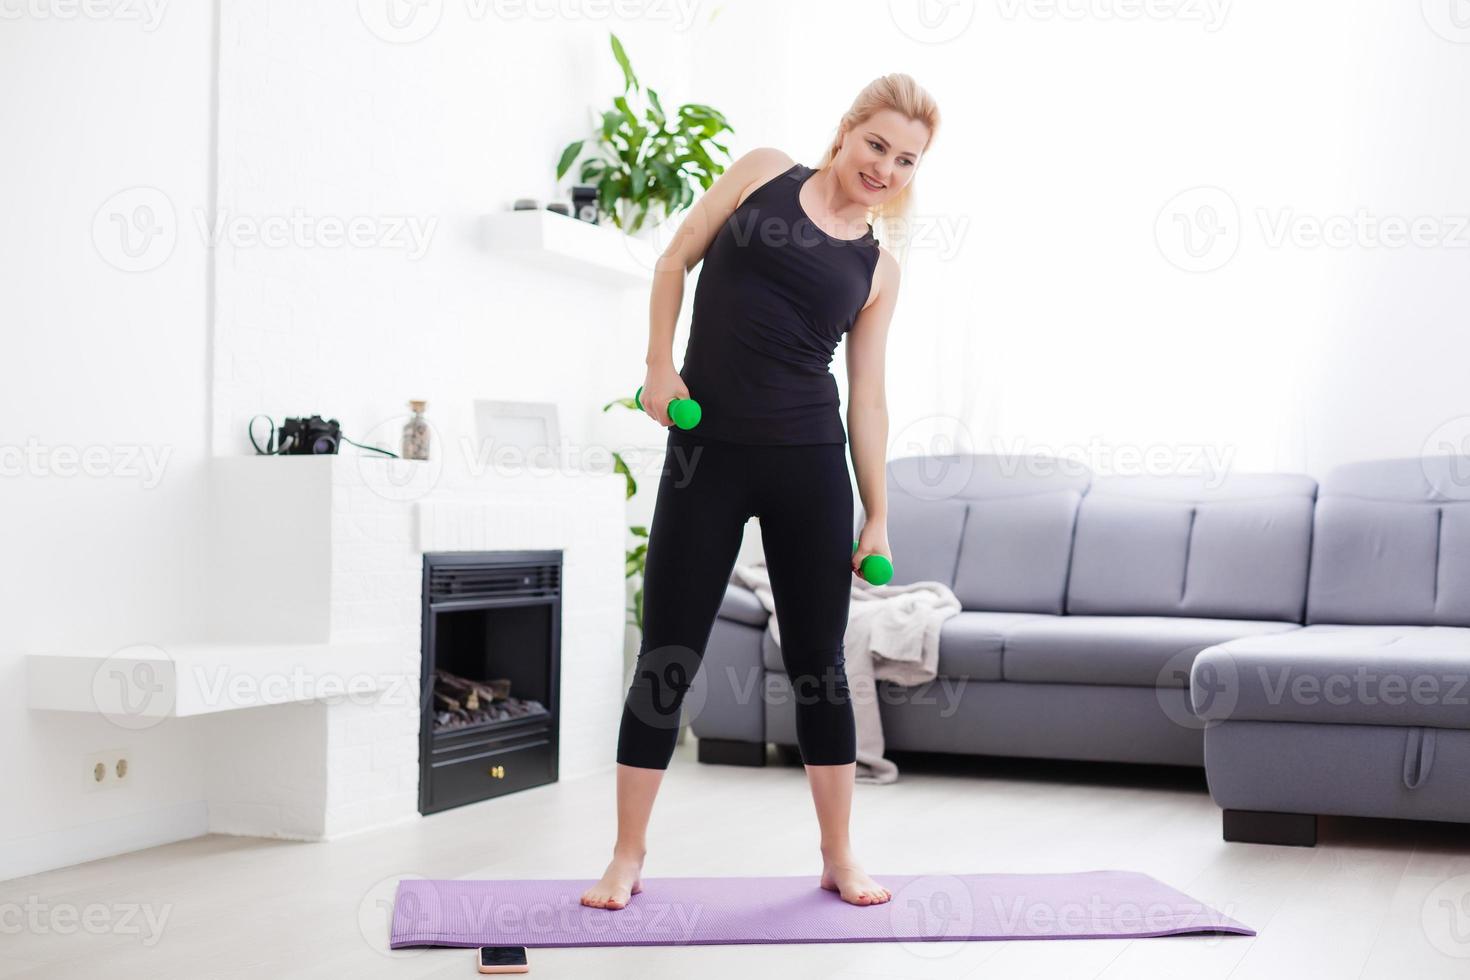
(705, 219)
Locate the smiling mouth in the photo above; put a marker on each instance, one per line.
(869, 182)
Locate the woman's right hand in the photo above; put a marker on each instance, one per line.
(661, 385)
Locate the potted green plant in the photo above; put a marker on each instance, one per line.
(644, 158)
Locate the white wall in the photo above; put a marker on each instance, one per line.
(110, 361)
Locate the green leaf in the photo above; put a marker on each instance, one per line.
(567, 156)
(622, 105)
(629, 79)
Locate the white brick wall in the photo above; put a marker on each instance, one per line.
(337, 766)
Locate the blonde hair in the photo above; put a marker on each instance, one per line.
(905, 96)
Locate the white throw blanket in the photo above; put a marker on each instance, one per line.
(892, 635)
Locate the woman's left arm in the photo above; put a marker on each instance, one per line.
(867, 408)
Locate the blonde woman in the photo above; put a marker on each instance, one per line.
(791, 264)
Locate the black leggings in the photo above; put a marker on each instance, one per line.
(707, 491)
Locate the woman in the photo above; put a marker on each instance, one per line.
(790, 265)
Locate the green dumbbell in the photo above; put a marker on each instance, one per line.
(685, 412)
(876, 569)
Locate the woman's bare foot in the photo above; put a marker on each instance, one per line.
(841, 874)
(620, 882)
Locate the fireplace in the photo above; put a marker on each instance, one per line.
(491, 675)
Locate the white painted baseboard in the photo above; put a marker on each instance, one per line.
(66, 846)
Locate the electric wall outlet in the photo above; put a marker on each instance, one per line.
(108, 769)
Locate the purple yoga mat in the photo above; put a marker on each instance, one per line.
(702, 911)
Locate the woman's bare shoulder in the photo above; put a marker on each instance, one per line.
(758, 166)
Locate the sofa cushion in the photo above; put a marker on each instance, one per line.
(1339, 674)
(925, 538)
(1236, 547)
(1391, 544)
(1136, 651)
(970, 644)
(932, 497)
(1015, 552)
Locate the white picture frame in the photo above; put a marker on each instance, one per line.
(532, 427)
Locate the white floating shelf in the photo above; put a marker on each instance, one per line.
(138, 685)
(559, 243)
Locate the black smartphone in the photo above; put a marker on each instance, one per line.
(503, 959)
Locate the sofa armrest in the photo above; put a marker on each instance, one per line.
(726, 699)
(741, 606)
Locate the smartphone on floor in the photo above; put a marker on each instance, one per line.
(503, 959)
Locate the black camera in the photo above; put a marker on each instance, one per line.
(300, 437)
(312, 436)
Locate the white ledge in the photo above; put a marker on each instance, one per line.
(559, 243)
(140, 685)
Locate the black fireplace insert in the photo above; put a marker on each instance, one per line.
(491, 675)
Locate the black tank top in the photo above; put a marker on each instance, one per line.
(774, 298)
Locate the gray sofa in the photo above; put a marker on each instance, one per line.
(1308, 645)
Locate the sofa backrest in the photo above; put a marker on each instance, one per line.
(995, 528)
(1236, 547)
(1392, 543)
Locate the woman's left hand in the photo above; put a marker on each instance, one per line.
(872, 541)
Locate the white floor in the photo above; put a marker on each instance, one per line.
(1373, 899)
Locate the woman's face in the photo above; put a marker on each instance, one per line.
(879, 155)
